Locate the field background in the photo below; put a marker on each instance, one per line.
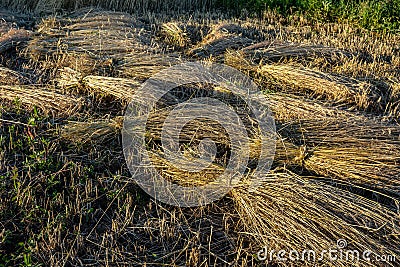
(371, 14)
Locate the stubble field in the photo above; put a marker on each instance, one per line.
(67, 197)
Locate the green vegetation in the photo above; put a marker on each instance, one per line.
(370, 14)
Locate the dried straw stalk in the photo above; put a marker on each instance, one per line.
(142, 66)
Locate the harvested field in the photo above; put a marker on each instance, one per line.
(68, 196)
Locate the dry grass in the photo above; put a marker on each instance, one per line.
(335, 173)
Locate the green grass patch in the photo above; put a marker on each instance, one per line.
(370, 14)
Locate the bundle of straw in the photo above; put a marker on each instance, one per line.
(89, 42)
(96, 33)
(289, 212)
(369, 167)
(96, 131)
(222, 38)
(131, 67)
(274, 51)
(120, 88)
(12, 38)
(44, 97)
(175, 35)
(319, 124)
(142, 66)
(316, 84)
(321, 85)
(340, 144)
